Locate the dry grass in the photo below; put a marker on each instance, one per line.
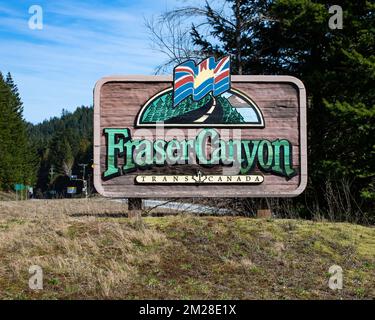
(6, 196)
(182, 257)
(75, 207)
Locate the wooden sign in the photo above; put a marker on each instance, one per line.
(200, 133)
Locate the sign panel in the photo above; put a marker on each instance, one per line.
(200, 133)
(19, 187)
(71, 190)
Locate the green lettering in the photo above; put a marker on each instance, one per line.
(143, 154)
(265, 155)
(249, 156)
(115, 148)
(283, 166)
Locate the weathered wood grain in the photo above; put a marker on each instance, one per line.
(282, 101)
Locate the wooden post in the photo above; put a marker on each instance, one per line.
(264, 212)
(134, 208)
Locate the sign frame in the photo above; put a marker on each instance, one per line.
(225, 193)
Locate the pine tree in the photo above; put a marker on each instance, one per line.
(5, 136)
(63, 142)
(338, 69)
(17, 159)
(235, 31)
(293, 37)
(18, 105)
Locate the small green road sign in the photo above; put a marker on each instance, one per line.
(19, 187)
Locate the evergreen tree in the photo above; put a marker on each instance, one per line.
(338, 69)
(17, 159)
(63, 143)
(18, 105)
(235, 31)
(293, 37)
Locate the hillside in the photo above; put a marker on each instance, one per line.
(61, 144)
(79, 121)
(87, 250)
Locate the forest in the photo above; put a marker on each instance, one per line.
(46, 155)
(278, 37)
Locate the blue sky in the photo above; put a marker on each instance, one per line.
(81, 41)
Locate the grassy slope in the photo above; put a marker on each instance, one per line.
(6, 196)
(178, 257)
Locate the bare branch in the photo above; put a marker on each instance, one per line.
(170, 38)
(196, 12)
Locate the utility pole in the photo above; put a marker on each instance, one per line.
(51, 172)
(84, 165)
(88, 183)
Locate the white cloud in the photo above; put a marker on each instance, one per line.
(58, 66)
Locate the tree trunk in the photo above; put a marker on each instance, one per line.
(238, 36)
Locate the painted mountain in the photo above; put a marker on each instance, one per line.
(232, 109)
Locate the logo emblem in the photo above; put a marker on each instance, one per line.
(201, 95)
